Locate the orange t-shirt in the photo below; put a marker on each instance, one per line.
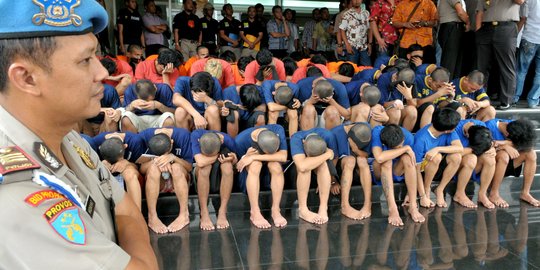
(238, 79)
(300, 73)
(303, 63)
(427, 11)
(227, 76)
(253, 67)
(333, 67)
(147, 70)
(189, 62)
(122, 57)
(122, 67)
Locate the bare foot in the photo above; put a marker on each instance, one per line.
(259, 221)
(180, 222)
(528, 198)
(206, 223)
(416, 216)
(323, 213)
(426, 202)
(393, 217)
(279, 220)
(365, 212)
(483, 199)
(222, 222)
(156, 225)
(351, 213)
(310, 217)
(405, 201)
(498, 201)
(464, 201)
(441, 202)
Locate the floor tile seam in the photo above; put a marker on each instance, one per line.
(237, 247)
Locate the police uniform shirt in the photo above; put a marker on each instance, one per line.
(230, 93)
(297, 144)
(132, 22)
(231, 29)
(243, 140)
(164, 95)
(459, 130)
(268, 86)
(209, 30)
(447, 11)
(479, 95)
(110, 100)
(499, 10)
(189, 26)
(181, 142)
(353, 91)
(52, 226)
(342, 142)
(305, 87)
(367, 75)
(376, 138)
(493, 126)
(182, 87)
(228, 141)
(251, 28)
(425, 141)
(135, 145)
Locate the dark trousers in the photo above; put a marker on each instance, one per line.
(429, 54)
(450, 39)
(153, 49)
(279, 53)
(498, 43)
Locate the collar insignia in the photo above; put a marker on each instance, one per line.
(85, 157)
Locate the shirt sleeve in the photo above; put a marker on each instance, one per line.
(419, 148)
(376, 137)
(136, 146)
(267, 89)
(340, 94)
(166, 95)
(297, 146)
(129, 95)
(187, 154)
(195, 145)
(217, 93)
(231, 94)
(271, 27)
(228, 75)
(249, 73)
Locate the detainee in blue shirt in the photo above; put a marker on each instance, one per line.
(477, 162)
(198, 99)
(353, 149)
(168, 171)
(470, 92)
(215, 156)
(514, 141)
(109, 115)
(262, 150)
(432, 90)
(395, 161)
(310, 150)
(147, 105)
(438, 154)
(398, 96)
(364, 99)
(281, 98)
(243, 107)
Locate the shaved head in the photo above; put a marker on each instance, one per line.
(268, 142)
(160, 144)
(283, 95)
(112, 149)
(210, 144)
(360, 134)
(371, 95)
(314, 145)
(406, 75)
(323, 89)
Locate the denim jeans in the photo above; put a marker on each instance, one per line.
(361, 58)
(527, 53)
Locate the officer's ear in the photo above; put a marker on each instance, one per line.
(24, 76)
(125, 146)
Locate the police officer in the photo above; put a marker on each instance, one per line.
(59, 203)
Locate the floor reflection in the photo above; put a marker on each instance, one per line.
(453, 238)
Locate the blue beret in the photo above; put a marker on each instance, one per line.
(41, 18)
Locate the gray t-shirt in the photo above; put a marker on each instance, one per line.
(499, 10)
(447, 11)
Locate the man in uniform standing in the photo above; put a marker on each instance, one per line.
(58, 196)
(187, 31)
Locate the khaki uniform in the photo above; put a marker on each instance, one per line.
(41, 229)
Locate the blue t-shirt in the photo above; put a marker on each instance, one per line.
(493, 126)
(230, 93)
(342, 142)
(367, 75)
(425, 141)
(181, 142)
(243, 140)
(197, 134)
(110, 100)
(268, 87)
(163, 95)
(135, 145)
(478, 95)
(459, 130)
(376, 138)
(297, 146)
(353, 92)
(305, 90)
(423, 90)
(423, 69)
(90, 141)
(389, 92)
(182, 87)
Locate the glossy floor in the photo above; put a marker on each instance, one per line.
(451, 238)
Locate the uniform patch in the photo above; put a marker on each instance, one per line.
(13, 158)
(65, 219)
(57, 13)
(37, 198)
(47, 156)
(85, 157)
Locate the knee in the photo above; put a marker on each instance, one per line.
(411, 111)
(331, 114)
(212, 112)
(309, 111)
(153, 173)
(502, 157)
(436, 159)
(126, 122)
(226, 169)
(469, 161)
(293, 115)
(169, 122)
(254, 168)
(275, 168)
(204, 172)
(180, 113)
(177, 171)
(362, 161)
(488, 161)
(531, 156)
(260, 120)
(428, 112)
(348, 163)
(131, 174)
(453, 158)
(387, 165)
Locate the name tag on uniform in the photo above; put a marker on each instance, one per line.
(226, 24)
(90, 206)
(204, 25)
(246, 25)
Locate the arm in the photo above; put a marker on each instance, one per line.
(121, 37)
(521, 23)
(162, 108)
(431, 98)
(203, 161)
(383, 156)
(188, 166)
(342, 111)
(180, 101)
(463, 16)
(455, 147)
(274, 107)
(279, 156)
(306, 164)
(479, 18)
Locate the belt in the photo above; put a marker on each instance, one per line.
(189, 40)
(496, 23)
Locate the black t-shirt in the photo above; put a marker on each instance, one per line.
(231, 28)
(209, 30)
(189, 26)
(132, 22)
(251, 28)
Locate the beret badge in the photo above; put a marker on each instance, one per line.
(57, 13)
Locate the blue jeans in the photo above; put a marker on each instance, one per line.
(361, 58)
(527, 53)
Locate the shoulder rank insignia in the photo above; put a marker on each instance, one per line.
(47, 156)
(57, 13)
(85, 157)
(65, 219)
(13, 158)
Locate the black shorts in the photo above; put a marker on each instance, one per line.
(512, 171)
(421, 110)
(440, 171)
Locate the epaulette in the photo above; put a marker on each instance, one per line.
(16, 165)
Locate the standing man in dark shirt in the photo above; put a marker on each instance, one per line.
(251, 32)
(229, 29)
(263, 21)
(187, 30)
(210, 28)
(129, 26)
